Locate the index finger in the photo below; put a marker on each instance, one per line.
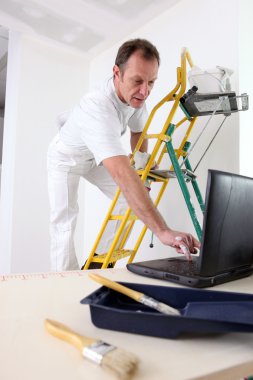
(196, 243)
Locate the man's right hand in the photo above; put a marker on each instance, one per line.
(178, 239)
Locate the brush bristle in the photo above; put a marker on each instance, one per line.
(122, 363)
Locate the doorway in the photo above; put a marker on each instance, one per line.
(4, 37)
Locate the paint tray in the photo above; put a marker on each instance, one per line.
(199, 104)
(114, 311)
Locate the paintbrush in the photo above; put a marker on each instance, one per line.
(137, 296)
(122, 363)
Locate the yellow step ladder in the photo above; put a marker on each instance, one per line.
(117, 249)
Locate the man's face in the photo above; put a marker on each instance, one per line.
(135, 83)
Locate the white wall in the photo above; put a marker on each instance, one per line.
(209, 30)
(1, 136)
(246, 85)
(42, 80)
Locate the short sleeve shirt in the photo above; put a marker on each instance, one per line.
(98, 122)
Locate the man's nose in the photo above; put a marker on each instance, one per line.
(144, 90)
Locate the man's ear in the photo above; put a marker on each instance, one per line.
(116, 71)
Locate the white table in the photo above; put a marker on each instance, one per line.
(29, 352)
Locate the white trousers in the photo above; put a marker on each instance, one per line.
(65, 168)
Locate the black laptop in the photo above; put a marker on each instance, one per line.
(226, 252)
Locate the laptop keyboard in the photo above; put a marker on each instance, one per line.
(183, 267)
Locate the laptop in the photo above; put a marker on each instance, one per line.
(226, 252)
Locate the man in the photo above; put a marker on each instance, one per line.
(88, 145)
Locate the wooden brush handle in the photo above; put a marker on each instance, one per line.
(115, 286)
(63, 332)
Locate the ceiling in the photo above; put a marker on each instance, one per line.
(86, 25)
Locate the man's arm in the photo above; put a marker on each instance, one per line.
(134, 139)
(140, 202)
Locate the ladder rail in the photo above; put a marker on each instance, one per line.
(182, 184)
(116, 238)
(144, 229)
(181, 84)
(175, 95)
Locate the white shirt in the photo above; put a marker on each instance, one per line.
(98, 121)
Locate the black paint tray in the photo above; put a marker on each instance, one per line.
(114, 311)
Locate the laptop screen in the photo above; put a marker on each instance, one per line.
(227, 241)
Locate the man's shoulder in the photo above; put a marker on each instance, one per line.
(97, 98)
(101, 91)
(100, 99)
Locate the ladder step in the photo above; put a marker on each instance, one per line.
(120, 217)
(163, 173)
(117, 255)
(157, 175)
(172, 174)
